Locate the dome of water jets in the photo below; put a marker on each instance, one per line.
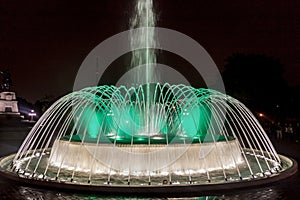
(154, 134)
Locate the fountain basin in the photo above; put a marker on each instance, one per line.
(289, 168)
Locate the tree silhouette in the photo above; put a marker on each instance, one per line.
(257, 80)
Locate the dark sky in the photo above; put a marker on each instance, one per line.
(43, 43)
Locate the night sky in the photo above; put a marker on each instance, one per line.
(43, 43)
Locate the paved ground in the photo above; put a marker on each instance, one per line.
(13, 132)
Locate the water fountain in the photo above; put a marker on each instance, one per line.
(106, 137)
(151, 137)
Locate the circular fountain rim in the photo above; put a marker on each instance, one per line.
(151, 190)
(193, 140)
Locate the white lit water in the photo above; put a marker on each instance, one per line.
(217, 176)
(143, 16)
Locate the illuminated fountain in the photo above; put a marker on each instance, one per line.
(108, 135)
(150, 137)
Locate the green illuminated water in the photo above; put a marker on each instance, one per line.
(151, 113)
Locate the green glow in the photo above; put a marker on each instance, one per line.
(89, 121)
(128, 121)
(174, 113)
(143, 140)
(194, 120)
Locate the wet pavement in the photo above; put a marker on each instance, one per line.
(13, 132)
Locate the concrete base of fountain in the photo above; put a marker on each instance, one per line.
(142, 159)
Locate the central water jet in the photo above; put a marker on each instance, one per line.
(144, 16)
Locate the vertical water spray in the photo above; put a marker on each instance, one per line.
(144, 16)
